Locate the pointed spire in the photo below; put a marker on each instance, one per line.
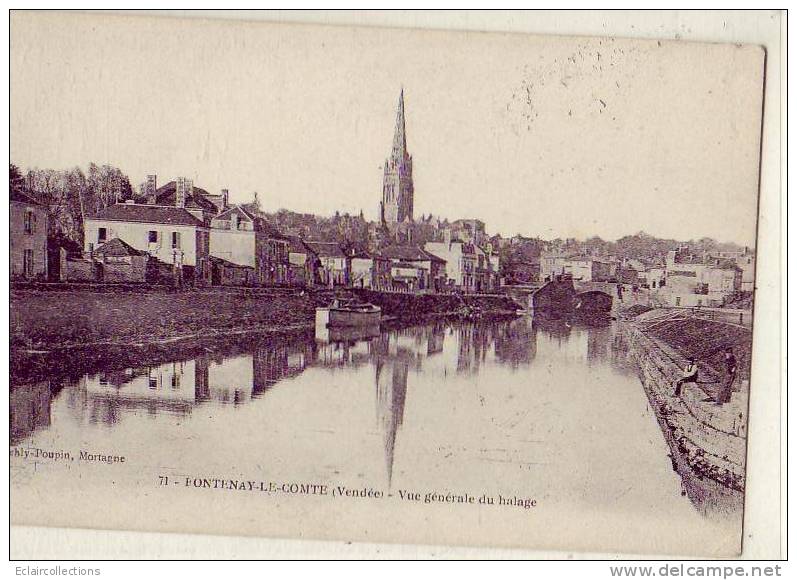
(400, 135)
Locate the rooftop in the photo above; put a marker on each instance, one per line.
(326, 249)
(118, 248)
(227, 264)
(167, 194)
(148, 214)
(22, 198)
(410, 253)
(297, 245)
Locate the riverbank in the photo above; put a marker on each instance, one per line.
(72, 330)
(707, 442)
(60, 316)
(405, 306)
(75, 328)
(48, 320)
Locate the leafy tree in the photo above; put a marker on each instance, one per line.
(16, 181)
(72, 195)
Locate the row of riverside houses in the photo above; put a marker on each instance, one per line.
(181, 234)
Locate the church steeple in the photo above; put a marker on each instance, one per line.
(397, 188)
(400, 134)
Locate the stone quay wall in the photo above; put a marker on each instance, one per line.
(707, 443)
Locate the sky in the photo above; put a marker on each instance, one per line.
(535, 135)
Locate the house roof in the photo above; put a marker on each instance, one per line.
(687, 259)
(410, 253)
(148, 214)
(683, 273)
(528, 262)
(262, 225)
(369, 255)
(22, 198)
(297, 245)
(118, 248)
(603, 260)
(252, 207)
(578, 258)
(167, 195)
(725, 264)
(360, 250)
(227, 264)
(259, 224)
(326, 249)
(408, 265)
(216, 199)
(237, 209)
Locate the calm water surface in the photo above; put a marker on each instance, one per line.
(533, 409)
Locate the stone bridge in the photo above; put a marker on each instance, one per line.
(563, 295)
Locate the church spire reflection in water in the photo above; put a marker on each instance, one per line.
(391, 394)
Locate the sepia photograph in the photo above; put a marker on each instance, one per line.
(374, 284)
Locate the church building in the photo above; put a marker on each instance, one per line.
(397, 188)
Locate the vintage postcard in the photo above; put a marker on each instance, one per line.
(383, 285)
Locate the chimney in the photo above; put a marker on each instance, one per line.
(151, 188)
(182, 191)
(225, 198)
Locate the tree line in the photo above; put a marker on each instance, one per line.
(71, 195)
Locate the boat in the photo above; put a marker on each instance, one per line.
(342, 314)
(348, 334)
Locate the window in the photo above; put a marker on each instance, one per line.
(152, 237)
(102, 235)
(175, 240)
(677, 300)
(30, 220)
(28, 263)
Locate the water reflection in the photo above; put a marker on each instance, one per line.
(29, 407)
(109, 396)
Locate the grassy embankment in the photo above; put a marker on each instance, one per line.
(49, 320)
(62, 330)
(65, 332)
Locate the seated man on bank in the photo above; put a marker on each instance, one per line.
(689, 376)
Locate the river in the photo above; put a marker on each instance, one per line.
(513, 411)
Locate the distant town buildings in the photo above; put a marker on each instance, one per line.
(179, 233)
(699, 281)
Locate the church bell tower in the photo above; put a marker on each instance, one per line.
(397, 188)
